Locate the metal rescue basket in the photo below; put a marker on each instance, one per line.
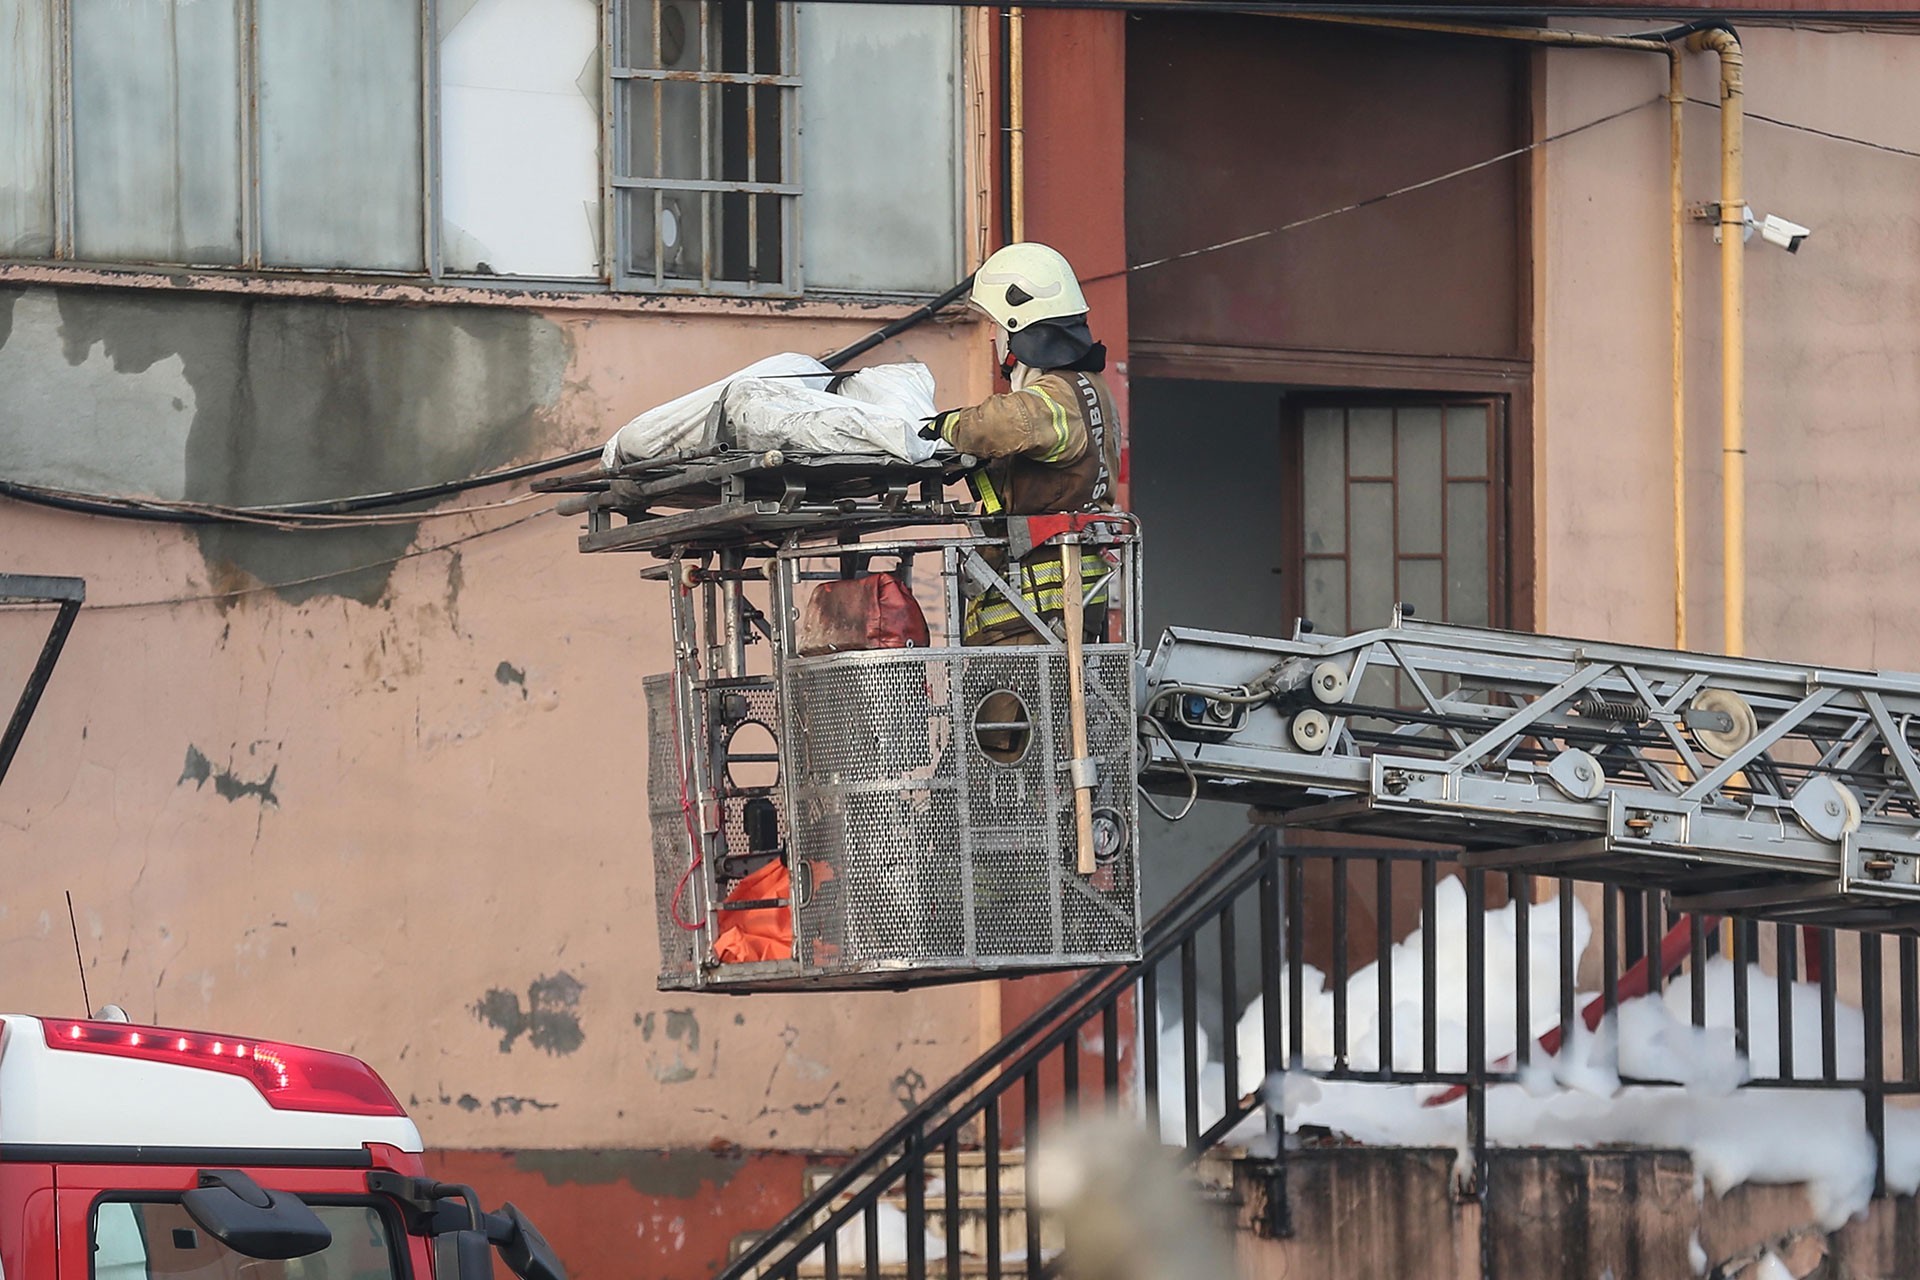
(836, 809)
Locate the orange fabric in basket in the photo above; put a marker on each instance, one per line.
(764, 933)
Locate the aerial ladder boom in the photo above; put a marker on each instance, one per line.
(1738, 785)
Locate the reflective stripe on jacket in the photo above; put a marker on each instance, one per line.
(1050, 446)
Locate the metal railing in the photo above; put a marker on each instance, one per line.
(1251, 927)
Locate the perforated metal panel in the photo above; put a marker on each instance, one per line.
(672, 847)
(924, 854)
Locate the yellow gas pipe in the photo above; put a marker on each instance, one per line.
(1676, 103)
(1017, 122)
(1733, 399)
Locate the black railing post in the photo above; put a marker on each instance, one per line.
(916, 1204)
(1337, 868)
(1277, 1219)
(1909, 1009)
(1829, 1008)
(1609, 949)
(1873, 1075)
(1429, 961)
(1383, 964)
(1110, 1054)
(1030, 1093)
(1190, 1038)
(1296, 962)
(990, 1129)
(1569, 964)
(1787, 964)
(1742, 993)
(1697, 970)
(950, 1173)
(1477, 1028)
(1520, 893)
(1150, 1048)
(1229, 1010)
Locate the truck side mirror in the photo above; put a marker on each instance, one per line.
(472, 1255)
(522, 1247)
(249, 1219)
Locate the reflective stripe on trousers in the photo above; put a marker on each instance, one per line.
(1040, 586)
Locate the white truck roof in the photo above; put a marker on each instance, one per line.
(118, 1084)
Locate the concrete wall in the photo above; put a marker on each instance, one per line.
(399, 811)
(1632, 1215)
(1833, 351)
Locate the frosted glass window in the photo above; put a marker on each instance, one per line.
(881, 110)
(26, 129)
(156, 131)
(1371, 588)
(520, 137)
(340, 182)
(1323, 497)
(1399, 505)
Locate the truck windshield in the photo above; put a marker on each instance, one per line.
(157, 1240)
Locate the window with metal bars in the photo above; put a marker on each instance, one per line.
(705, 164)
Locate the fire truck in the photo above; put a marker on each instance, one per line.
(132, 1152)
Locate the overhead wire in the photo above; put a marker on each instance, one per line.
(311, 515)
(1807, 128)
(353, 511)
(236, 593)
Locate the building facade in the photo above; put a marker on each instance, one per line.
(380, 787)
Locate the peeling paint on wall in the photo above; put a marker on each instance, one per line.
(243, 401)
(550, 1020)
(75, 416)
(676, 1060)
(199, 770)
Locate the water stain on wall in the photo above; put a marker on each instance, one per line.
(296, 400)
(550, 1019)
(199, 770)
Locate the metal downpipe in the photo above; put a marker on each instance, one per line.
(1733, 439)
(1676, 105)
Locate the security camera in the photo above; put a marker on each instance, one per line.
(1777, 231)
(1788, 235)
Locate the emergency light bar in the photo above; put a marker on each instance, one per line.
(290, 1077)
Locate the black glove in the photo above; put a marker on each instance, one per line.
(939, 424)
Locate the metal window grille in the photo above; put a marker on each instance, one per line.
(705, 154)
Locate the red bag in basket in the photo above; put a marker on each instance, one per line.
(872, 612)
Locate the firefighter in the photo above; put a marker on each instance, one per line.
(1050, 443)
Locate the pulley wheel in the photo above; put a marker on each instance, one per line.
(1329, 683)
(1827, 808)
(1724, 742)
(1309, 729)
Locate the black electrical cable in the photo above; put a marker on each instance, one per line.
(132, 509)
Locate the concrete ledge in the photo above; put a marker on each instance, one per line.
(1630, 1214)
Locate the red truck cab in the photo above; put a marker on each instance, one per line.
(148, 1153)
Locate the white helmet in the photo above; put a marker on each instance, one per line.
(1024, 284)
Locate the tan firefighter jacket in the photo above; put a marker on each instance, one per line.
(1050, 446)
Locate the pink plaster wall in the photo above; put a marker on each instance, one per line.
(433, 849)
(1833, 353)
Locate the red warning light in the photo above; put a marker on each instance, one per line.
(289, 1077)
